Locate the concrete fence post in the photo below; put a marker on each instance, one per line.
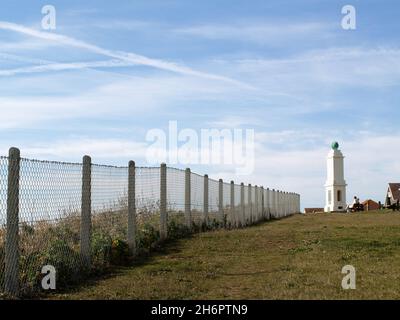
(233, 216)
(268, 206)
(278, 202)
(163, 202)
(188, 210)
(205, 200)
(243, 206)
(283, 203)
(131, 208)
(250, 200)
(256, 204)
(273, 198)
(11, 258)
(262, 204)
(221, 201)
(298, 208)
(292, 203)
(259, 204)
(86, 214)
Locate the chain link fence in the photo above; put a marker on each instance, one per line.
(3, 214)
(83, 218)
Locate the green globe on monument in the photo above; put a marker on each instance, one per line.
(335, 145)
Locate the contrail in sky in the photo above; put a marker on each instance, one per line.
(124, 56)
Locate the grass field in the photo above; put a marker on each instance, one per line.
(299, 257)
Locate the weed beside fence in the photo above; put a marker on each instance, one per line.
(83, 218)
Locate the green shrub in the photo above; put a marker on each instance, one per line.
(30, 270)
(215, 224)
(147, 238)
(101, 251)
(66, 261)
(65, 232)
(119, 252)
(26, 229)
(177, 230)
(196, 228)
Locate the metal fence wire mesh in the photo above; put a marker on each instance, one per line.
(197, 197)
(213, 199)
(226, 191)
(55, 199)
(147, 199)
(175, 196)
(49, 218)
(109, 205)
(3, 213)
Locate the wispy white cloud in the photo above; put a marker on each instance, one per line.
(114, 97)
(31, 44)
(74, 148)
(349, 66)
(65, 66)
(262, 33)
(125, 56)
(127, 25)
(235, 122)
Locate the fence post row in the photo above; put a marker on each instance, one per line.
(267, 203)
(205, 199)
(131, 208)
(11, 258)
(188, 211)
(86, 210)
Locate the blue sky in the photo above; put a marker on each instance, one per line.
(283, 68)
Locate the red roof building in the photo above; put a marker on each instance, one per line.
(370, 205)
(393, 194)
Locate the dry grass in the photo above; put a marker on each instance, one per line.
(300, 257)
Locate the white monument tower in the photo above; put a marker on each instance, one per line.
(335, 185)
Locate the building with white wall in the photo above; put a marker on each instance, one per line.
(335, 186)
